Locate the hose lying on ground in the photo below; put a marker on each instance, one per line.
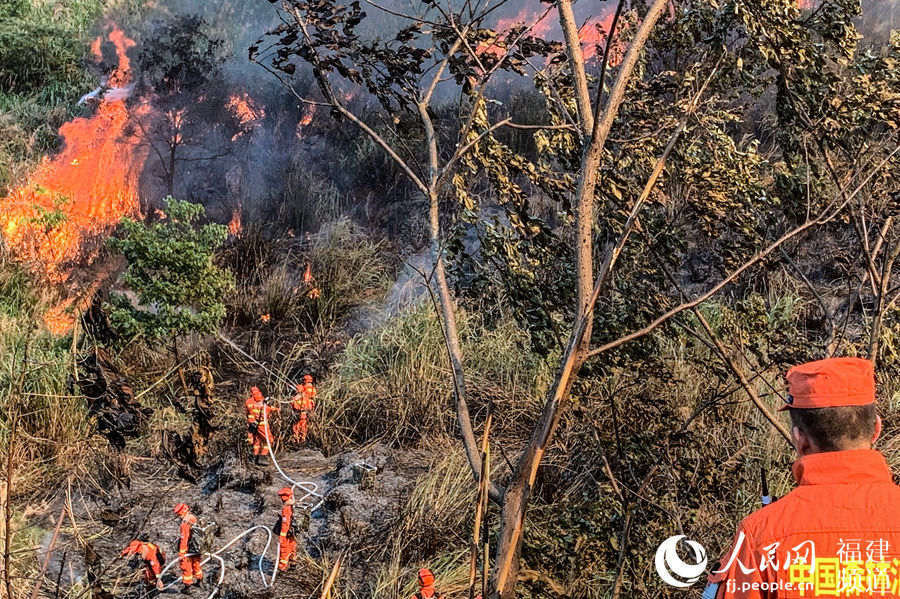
(310, 490)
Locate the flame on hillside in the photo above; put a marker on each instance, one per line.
(246, 111)
(308, 113)
(78, 196)
(540, 23)
(234, 225)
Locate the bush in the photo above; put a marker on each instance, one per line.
(170, 269)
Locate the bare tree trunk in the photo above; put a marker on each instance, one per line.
(518, 491)
(448, 314)
(882, 299)
(170, 173)
(576, 60)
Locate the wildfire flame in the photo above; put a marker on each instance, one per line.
(246, 111)
(234, 225)
(308, 114)
(78, 196)
(592, 34)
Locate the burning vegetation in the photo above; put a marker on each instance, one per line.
(430, 296)
(75, 199)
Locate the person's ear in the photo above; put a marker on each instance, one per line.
(801, 440)
(877, 429)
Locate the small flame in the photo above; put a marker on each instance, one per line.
(265, 318)
(307, 274)
(246, 111)
(308, 114)
(234, 225)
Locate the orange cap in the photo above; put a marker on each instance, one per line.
(307, 378)
(286, 493)
(255, 392)
(426, 578)
(831, 383)
(180, 509)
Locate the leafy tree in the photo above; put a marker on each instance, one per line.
(717, 139)
(178, 288)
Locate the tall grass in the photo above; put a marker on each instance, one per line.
(393, 382)
(51, 424)
(431, 530)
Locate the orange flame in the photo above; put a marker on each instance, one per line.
(593, 37)
(74, 199)
(307, 274)
(308, 114)
(82, 192)
(234, 225)
(592, 34)
(246, 111)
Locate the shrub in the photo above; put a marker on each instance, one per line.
(170, 269)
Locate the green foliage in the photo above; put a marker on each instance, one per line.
(41, 49)
(171, 271)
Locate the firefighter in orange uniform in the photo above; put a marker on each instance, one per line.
(838, 532)
(303, 403)
(262, 434)
(426, 586)
(188, 554)
(152, 557)
(287, 538)
(252, 405)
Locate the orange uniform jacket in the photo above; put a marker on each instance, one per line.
(287, 513)
(303, 401)
(185, 544)
(265, 416)
(844, 516)
(253, 410)
(426, 593)
(153, 559)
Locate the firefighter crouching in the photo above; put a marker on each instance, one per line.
(287, 538)
(838, 532)
(303, 403)
(188, 553)
(152, 557)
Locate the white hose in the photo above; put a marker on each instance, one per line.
(309, 489)
(215, 555)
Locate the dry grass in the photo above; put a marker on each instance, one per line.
(393, 383)
(432, 530)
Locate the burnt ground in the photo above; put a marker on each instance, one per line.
(229, 497)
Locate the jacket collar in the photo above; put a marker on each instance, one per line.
(853, 466)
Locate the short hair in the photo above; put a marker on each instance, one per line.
(836, 428)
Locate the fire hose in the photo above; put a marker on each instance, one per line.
(216, 555)
(310, 490)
